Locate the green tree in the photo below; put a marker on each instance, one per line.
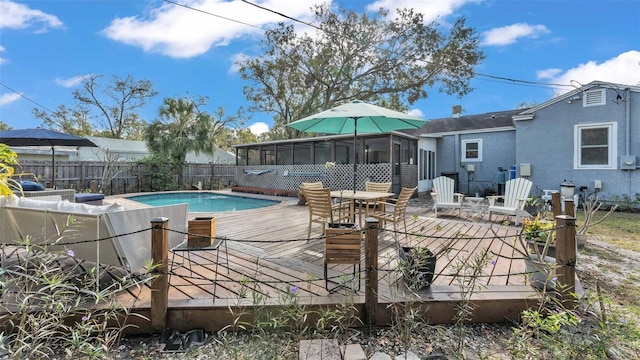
(4, 126)
(229, 137)
(108, 110)
(73, 121)
(355, 56)
(182, 126)
(117, 103)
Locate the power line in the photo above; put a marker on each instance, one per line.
(212, 14)
(508, 80)
(33, 101)
(284, 15)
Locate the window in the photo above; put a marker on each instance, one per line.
(595, 146)
(427, 164)
(594, 97)
(472, 150)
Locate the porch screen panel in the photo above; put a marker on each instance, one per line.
(376, 150)
(322, 152)
(268, 156)
(344, 149)
(284, 155)
(253, 156)
(241, 158)
(302, 153)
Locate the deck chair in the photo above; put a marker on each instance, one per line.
(395, 212)
(444, 196)
(342, 246)
(516, 192)
(322, 210)
(375, 187)
(312, 185)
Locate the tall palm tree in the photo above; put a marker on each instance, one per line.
(179, 128)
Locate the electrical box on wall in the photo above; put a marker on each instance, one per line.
(597, 184)
(525, 169)
(471, 167)
(627, 162)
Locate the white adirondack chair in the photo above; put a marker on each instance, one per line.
(516, 192)
(444, 196)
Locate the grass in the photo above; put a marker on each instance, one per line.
(619, 228)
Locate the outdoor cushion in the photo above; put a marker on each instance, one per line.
(31, 186)
(37, 204)
(66, 205)
(86, 197)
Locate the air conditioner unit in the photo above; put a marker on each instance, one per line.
(628, 162)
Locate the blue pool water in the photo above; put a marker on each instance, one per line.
(204, 201)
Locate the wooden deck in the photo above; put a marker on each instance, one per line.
(267, 254)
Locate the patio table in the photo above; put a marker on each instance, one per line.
(365, 198)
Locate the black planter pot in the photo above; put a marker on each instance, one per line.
(341, 225)
(418, 267)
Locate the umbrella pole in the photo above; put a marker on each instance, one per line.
(355, 152)
(53, 165)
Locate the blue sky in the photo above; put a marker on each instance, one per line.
(47, 46)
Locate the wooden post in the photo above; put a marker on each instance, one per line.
(568, 208)
(94, 187)
(555, 204)
(566, 258)
(371, 265)
(159, 285)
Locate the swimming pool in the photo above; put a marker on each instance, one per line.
(204, 201)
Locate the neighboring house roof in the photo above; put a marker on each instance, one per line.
(575, 95)
(468, 123)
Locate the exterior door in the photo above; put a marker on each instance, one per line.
(396, 172)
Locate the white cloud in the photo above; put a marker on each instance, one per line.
(70, 82)
(510, 34)
(416, 112)
(431, 9)
(235, 59)
(180, 32)
(548, 73)
(20, 16)
(9, 98)
(259, 128)
(2, 60)
(622, 69)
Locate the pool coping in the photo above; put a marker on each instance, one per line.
(123, 200)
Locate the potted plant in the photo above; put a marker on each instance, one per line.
(591, 206)
(540, 236)
(417, 265)
(533, 204)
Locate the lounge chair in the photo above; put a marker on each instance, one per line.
(444, 196)
(105, 234)
(516, 192)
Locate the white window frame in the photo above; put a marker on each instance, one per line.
(611, 143)
(597, 97)
(464, 150)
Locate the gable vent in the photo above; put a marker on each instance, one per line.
(594, 97)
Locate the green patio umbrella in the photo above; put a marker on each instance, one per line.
(357, 117)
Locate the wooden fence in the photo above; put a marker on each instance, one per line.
(126, 177)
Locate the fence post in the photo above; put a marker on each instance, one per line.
(159, 285)
(555, 204)
(568, 208)
(566, 258)
(371, 266)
